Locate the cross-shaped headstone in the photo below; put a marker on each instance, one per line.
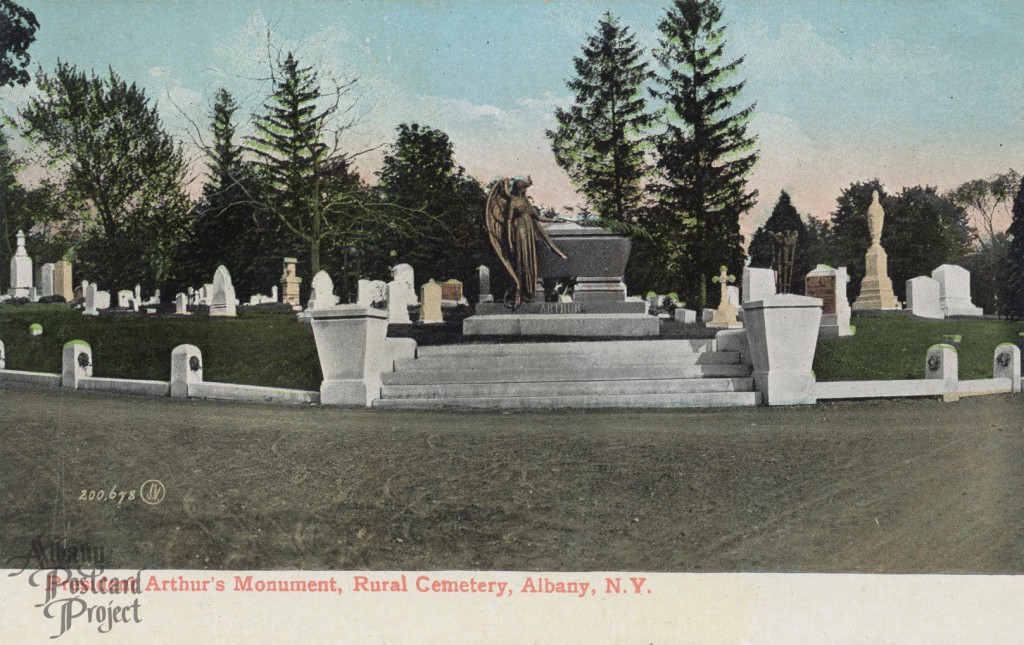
(724, 279)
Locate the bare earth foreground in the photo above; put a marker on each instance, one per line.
(884, 486)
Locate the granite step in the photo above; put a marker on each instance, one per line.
(580, 372)
(638, 349)
(567, 388)
(609, 360)
(690, 400)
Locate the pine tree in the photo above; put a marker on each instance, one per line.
(294, 158)
(601, 140)
(784, 218)
(704, 153)
(225, 229)
(1013, 290)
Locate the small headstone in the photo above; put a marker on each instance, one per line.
(3, 357)
(398, 305)
(372, 292)
(124, 299)
(138, 295)
(321, 295)
(181, 305)
(102, 299)
(829, 284)
(955, 291)
(451, 293)
(222, 301)
(404, 275)
(758, 284)
(686, 316)
(290, 282)
(923, 295)
(21, 271)
(430, 298)
(483, 276)
(46, 279)
(33, 294)
(734, 295)
(90, 301)
(84, 287)
(35, 329)
(273, 293)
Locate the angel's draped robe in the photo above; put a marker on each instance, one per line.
(523, 220)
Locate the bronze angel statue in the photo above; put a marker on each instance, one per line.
(513, 226)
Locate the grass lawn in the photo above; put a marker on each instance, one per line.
(892, 348)
(273, 349)
(257, 348)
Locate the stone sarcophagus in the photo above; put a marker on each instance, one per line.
(597, 259)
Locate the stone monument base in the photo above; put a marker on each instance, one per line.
(564, 308)
(834, 327)
(562, 324)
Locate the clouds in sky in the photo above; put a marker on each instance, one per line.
(911, 93)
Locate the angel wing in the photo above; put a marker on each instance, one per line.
(496, 217)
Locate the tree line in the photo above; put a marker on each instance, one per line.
(658, 147)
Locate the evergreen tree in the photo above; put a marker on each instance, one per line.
(225, 229)
(308, 185)
(704, 153)
(600, 141)
(434, 210)
(1013, 290)
(784, 218)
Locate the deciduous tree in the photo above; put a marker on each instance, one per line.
(119, 172)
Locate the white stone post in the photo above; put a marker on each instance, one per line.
(350, 342)
(186, 369)
(782, 333)
(733, 340)
(942, 363)
(3, 357)
(1005, 364)
(76, 363)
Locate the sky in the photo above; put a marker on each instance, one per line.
(909, 91)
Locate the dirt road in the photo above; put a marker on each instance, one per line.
(894, 486)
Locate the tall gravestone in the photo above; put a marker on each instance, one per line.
(62, 283)
(430, 303)
(90, 301)
(290, 282)
(46, 280)
(725, 316)
(955, 291)
(181, 305)
(398, 304)
(829, 285)
(483, 276)
(876, 288)
(222, 300)
(923, 298)
(21, 271)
